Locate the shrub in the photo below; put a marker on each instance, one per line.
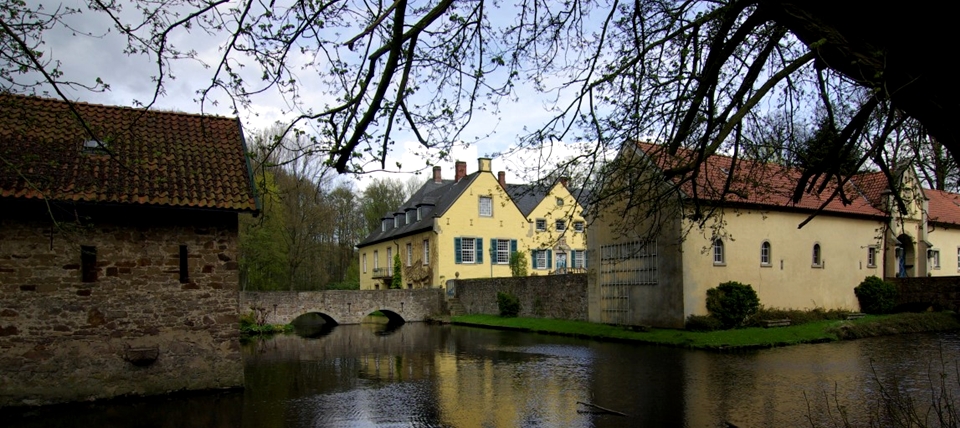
(732, 303)
(508, 304)
(876, 296)
(702, 323)
(518, 264)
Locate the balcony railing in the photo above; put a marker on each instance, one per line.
(382, 273)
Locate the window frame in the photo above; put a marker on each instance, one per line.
(540, 256)
(184, 265)
(579, 226)
(872, 256)
(463, 251)
(817, 256)
(389, 260)
(766, 254)
(719, 253)
(376, 260)
(560, 225)
(426, 252)
(409, 254)
(537, 225)
(578, 259)
(934, 256)
(480, 205)
(363, 259)
(499, 252)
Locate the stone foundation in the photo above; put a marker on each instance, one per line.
(140, 328)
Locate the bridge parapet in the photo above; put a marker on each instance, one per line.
(343, 306)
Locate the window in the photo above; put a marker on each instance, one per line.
(871, 256)
(409, 254)
(934, 257)
(88, 263)
(184, 266)
(376, 261)
(765, 253)
(542, 259)
(542, 225)
(426, 251)
(396, 224)
(389, 261)
(363, 259)
(419, 213)
(578, 259)
(718, 252)
(559, 202)
(410, 215)
(817, 256)
(561, 225)
(578, 226)
(486, 206)
(468, 250)
(503, 248)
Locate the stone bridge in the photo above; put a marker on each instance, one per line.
(344, 306)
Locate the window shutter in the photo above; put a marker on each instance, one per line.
(513, 246)
(457, 258)
(573, 258)
(584, 252)
(549, 259)
(479, 251)
(493, 249)
(533, 258)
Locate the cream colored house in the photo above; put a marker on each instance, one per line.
(656, 251)
(468, 227)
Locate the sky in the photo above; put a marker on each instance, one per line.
(87, 49)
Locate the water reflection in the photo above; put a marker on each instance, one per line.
(419, 375)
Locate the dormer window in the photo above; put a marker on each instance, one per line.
(93, 147)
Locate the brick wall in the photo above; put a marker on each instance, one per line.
(62, 339)
(547, 296)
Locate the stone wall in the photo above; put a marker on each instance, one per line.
(547, 296)
(137, 329)
(942, 292)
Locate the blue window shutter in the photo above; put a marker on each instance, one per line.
(479, 251)
(513, 246)
(533, 259)
(456, 251)
(573, 258)
(493, 249)
(549, 259)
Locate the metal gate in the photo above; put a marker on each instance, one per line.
(622, 267)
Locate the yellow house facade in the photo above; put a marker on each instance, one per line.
(469, 227)
(654, 264)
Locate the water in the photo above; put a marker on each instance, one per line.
(444, 376)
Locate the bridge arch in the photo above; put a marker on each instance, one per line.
(344, 306)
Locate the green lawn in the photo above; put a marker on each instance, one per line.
(820, 331)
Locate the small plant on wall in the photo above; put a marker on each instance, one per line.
(518, 264)
(397, 276)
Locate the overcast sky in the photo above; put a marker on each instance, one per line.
(86, 58)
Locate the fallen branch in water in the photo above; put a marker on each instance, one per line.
(601, 409)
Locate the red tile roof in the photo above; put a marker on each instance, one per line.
(757, 183)
(943, 207)
(153, 158)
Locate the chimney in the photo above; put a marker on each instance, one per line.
(460, 170)
(484, 164)
(437, 177)
(502, 178)
(564, 180)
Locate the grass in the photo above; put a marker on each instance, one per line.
(745, 338)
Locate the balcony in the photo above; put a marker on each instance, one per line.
(381, 273)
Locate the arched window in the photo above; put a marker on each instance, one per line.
(718, 252)
(817, 256)
(765, 255)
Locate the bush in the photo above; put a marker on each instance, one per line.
(702, 323)
(518, 264)
(397, 281)
(508, 304)
(732, 303)
(876, 296)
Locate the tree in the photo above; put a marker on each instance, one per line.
(397, 281)
(691, 74)
(379, 199)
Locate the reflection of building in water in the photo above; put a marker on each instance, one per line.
(513, 386)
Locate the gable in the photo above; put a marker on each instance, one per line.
(133, 156)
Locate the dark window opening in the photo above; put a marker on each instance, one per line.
(88, 263)
(184, 272)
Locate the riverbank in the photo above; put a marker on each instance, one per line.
(745, 338)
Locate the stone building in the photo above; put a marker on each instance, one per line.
(118, 246)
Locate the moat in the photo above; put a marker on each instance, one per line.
(439, 376)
